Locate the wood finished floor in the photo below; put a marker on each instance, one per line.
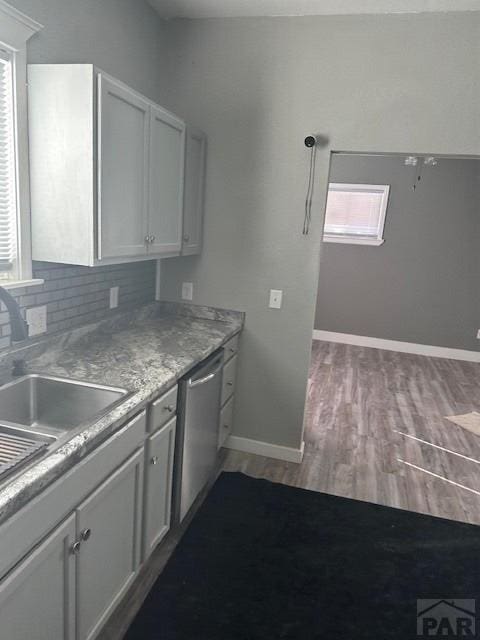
(370, 416)
(374, 420)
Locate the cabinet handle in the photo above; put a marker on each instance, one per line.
(186, 238)
(86, 533)
(147, 239)
(75, 548)
(169, 408)
(152, 239)
(226, 426)
(229, 384)
(154, 460)
(232, 350)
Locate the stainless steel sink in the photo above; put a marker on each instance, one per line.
(19, 446)
(38, 411)
(51, 406)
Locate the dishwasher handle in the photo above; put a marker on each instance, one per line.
(197, 382)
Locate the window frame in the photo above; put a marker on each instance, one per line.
(15, 30)
(374, 241)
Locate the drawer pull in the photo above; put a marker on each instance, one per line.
(86, 533)
(229, 384)
(226, 426)
(169, 408)
(75, 548)
(154, 460)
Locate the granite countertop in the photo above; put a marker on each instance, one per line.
(144, 352)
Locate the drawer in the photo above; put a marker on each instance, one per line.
(162, 409)
(229, 375)
(226, 422)
(231, 347)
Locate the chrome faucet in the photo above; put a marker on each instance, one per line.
(18, 324)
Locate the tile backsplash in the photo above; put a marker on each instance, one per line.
(78, 295)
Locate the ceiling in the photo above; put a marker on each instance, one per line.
(244, 8)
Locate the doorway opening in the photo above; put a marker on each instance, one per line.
(393, 402)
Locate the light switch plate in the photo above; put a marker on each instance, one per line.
(187, 291)
(36, 318)
(113, 297)
(276, 296)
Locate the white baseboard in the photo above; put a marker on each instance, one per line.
(265, 449)
(396, 345)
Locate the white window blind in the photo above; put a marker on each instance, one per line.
(356, 213)
(8, 205)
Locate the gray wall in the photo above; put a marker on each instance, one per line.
(421, 285)
(125, 38)
(257, 87)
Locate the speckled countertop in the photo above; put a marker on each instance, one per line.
(144, 352)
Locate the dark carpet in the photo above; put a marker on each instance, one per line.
(264, 561)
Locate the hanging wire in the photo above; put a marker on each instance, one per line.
(309, 197)
(418, 177)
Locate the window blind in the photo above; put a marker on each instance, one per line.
(354, 211)
(8, 206)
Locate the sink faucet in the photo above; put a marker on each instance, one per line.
(18, 324)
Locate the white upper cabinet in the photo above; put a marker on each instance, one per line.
(195, 160)
(123, 137)
(61, 123)
(167, 144)
(107, 169)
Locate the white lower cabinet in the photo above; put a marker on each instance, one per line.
(229, 377)
(66, 586)
(158, 486)
(226, 420)
(37, 597)
(225, 429)
(108, 533)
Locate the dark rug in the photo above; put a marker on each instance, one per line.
(264, 561)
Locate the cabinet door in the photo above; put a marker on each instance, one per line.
(37, 598)
(195, 159)
(228, 381)
(158, 486)
(167, 152)
(108, 526)
(226, 422)
(123, 129)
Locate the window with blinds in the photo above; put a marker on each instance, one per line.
(8, 204)
(355, 213)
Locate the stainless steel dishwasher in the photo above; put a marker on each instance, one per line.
(197, 432)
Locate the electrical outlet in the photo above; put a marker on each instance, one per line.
(113, 297)
(36, 318)
(276, 296)
(187, 291)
